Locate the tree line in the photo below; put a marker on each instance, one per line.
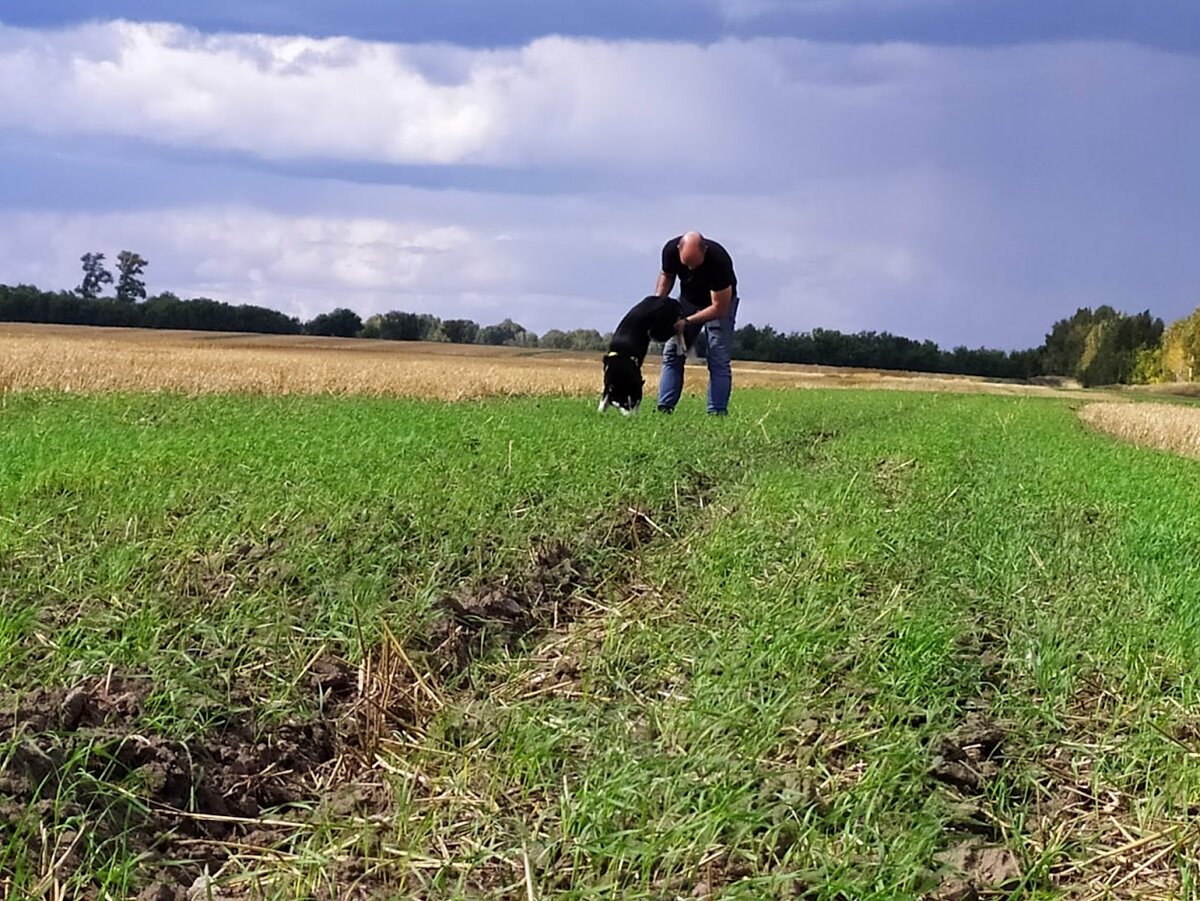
(1104, 346)
(1101, 346)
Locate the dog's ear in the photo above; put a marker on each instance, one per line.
(605, 403)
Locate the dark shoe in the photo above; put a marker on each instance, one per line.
(718, 412)
(663, 408)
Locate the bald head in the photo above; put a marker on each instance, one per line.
(691, 249)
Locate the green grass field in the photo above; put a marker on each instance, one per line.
(859, 645)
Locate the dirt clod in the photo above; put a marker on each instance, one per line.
(972, 867)
(333, 678)
(970, 755)
(500, 613)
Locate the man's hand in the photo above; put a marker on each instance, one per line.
(681, 325)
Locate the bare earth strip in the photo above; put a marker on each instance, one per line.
(88, 359)
(1165, 426)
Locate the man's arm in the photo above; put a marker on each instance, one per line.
(721, 302)
(666, 282)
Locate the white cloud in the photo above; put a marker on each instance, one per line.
(284, 98)
(784, 109)
(623, 105)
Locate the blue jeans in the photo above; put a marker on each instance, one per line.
(719, 334)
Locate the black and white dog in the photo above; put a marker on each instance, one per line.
(652, 319)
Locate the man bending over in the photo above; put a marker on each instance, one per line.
(708, 293)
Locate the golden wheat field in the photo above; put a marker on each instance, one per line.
(1164, 426)
(89, 359)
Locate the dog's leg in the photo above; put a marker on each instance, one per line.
(605, 403)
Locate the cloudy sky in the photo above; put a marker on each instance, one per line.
(962, 170)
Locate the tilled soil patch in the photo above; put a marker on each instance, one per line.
(80, 771)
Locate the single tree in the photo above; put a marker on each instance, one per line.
(95, 276)
(130, 286)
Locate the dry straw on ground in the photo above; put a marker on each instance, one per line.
(1165, 426)
(86, 359)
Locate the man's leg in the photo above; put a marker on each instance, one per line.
(720, 372)
(670, 383)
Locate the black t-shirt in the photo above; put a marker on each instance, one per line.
(695, 285)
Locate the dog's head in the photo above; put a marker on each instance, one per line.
(622, 383)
